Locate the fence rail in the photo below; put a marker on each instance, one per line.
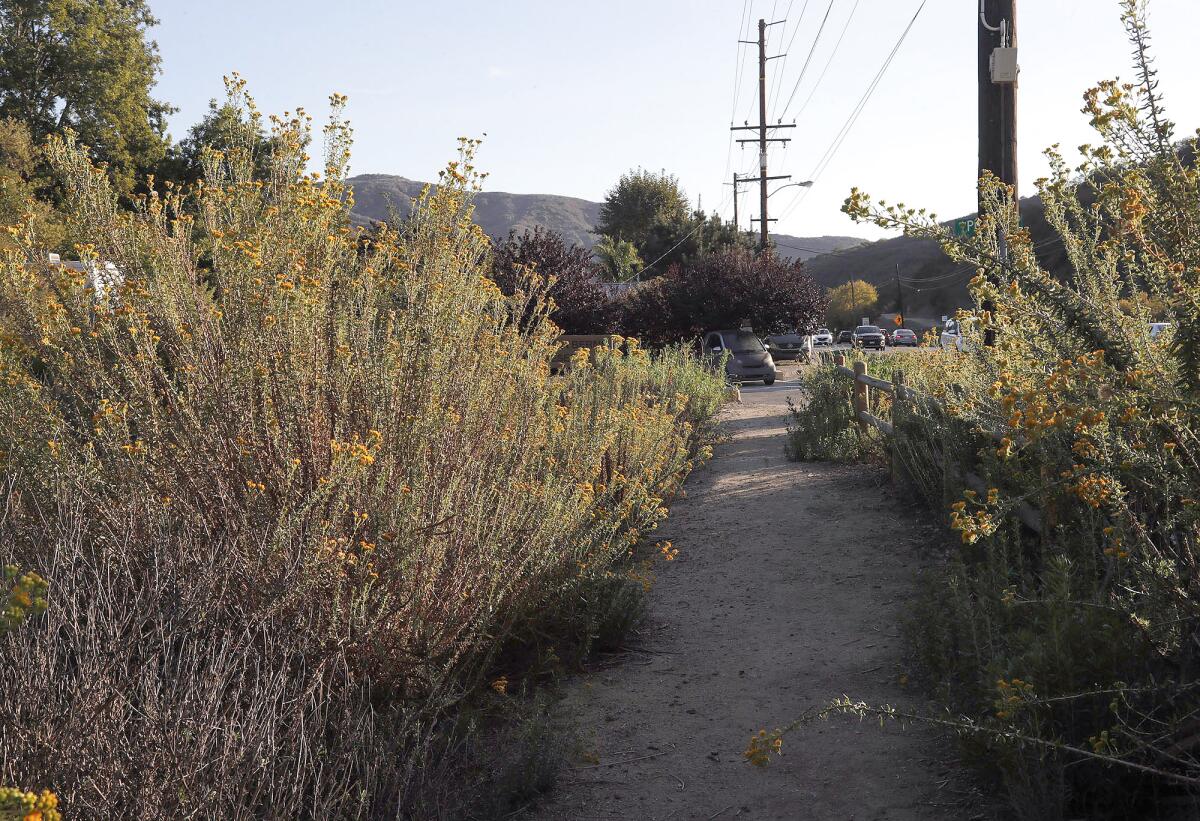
(861, 403)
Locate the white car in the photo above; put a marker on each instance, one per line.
(822, 337)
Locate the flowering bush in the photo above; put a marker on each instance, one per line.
(1079, 644)
(295, 489)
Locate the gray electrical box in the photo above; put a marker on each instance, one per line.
(1004, 65)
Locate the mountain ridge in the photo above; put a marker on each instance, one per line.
(498, 212)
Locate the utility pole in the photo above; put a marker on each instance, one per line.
(998, 110)
(763, 126)
(998, 93)
(737, 226)
(899, 296)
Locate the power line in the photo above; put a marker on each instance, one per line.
(829, 62)
(807, 60)
(786, 51)
(834, 146)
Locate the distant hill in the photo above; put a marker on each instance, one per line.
(944, 285)
(805, 248)
(495, 211)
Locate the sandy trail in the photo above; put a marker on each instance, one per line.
(786, 593)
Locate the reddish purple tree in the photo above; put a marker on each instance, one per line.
(582, 305)
(725, 289)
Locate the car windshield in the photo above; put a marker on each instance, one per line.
(822, 330)
(866, 329)
(903, 332)
(743, 342)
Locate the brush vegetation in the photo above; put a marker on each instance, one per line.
(307, 503)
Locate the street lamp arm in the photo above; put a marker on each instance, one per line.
(805, 184)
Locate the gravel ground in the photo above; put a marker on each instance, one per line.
(786, 593)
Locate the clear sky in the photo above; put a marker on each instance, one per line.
(571, 94)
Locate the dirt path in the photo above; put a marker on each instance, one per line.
(786, 593)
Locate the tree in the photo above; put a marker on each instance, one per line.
(20, 183)
(728, 288)
(640, 204)
(651, 212)
(617, 257)
(223, 127)
(581, 304)
(850, 302)
(85, 65)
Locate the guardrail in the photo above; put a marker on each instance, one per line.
(861, 403)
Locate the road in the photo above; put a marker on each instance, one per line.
(787, 593)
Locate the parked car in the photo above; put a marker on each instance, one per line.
(903, 336)
(822, 337)
(748, 360)
(845, 337)
(787, 346)
(868, 336)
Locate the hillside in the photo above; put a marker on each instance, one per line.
(945, 285)
(498, 212)
(805, 248)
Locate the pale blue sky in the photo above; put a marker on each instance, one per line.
(571, 93)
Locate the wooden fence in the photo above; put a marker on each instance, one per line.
(902, 394)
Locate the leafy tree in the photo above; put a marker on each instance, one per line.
(650, 211)
(641, 204)
(20, 183)
(728, 288)
(581, 304)
(850, 302)
(85, 65)
(223, 127)
(617, 257)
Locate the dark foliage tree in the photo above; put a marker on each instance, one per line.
(223, 127)
(581, 305)
(728, 288)
(85, 65)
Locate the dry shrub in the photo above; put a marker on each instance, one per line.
(1074, 655)
(293, 489)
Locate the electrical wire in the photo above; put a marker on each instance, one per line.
(828, 62)
(840, 139)
(778, 87)
(807, 60)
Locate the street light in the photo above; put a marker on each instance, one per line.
(805, 184)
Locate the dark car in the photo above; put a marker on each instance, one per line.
(786, 346)
(903, 336)
(748, 360)
(868, 336)
(845, 337)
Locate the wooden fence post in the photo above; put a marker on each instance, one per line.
(897, 419)
(862, 398)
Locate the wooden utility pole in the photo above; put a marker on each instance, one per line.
(736, 224)
(762, 127)
(997, 26)
(899, 296)
(764, 223)
(998, 108)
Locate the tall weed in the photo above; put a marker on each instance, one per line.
(295, 489)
